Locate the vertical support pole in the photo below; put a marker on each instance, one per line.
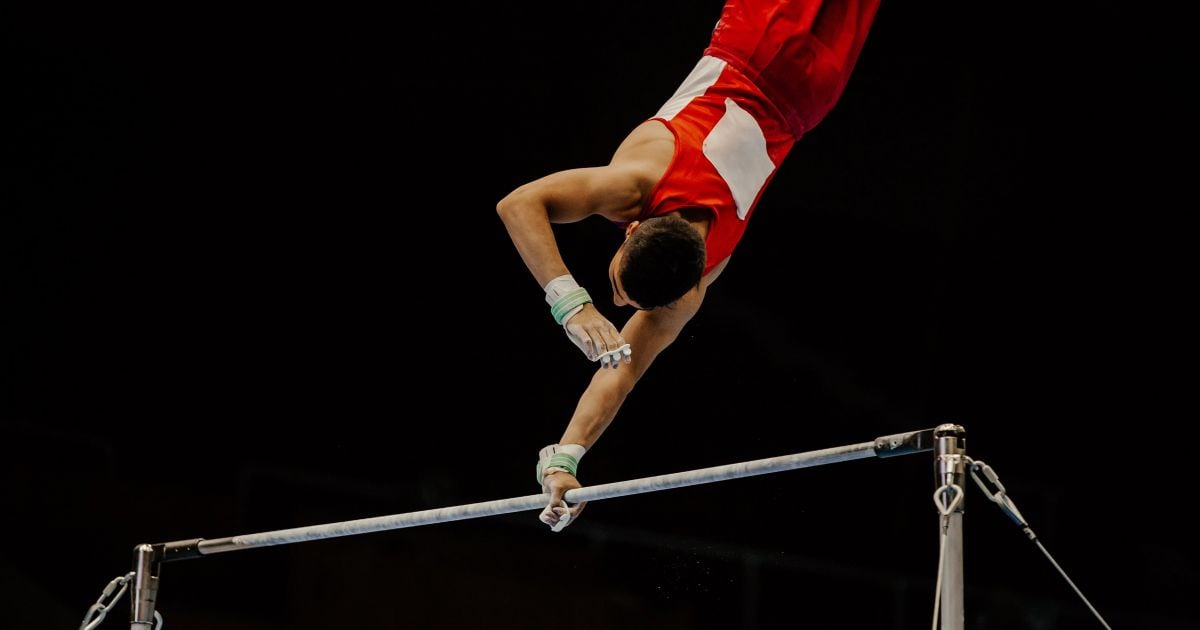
(950, 446)
(145, 587)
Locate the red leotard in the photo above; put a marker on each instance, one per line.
(772, 71)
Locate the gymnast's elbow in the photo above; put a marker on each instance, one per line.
(513, 203)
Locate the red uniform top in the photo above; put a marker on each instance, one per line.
(773, 70)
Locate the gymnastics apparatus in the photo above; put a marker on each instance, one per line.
(951, 464)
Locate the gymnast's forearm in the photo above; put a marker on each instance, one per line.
(528, 226)
(599, 405)
(649, 333)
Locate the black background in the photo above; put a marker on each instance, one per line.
(254, 279)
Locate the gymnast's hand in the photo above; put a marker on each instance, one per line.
(557, 484)
(597, 338)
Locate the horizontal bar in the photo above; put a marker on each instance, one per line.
(882, 447)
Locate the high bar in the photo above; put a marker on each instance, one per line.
(887, 446)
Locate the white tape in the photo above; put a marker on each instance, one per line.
(559, 287)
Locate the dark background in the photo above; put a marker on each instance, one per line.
(253, 279)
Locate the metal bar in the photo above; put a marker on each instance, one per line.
(903, 443)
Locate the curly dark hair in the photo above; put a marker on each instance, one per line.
(664, 259)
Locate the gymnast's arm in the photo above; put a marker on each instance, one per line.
(614, 192)
(650, 332)
(565, 197)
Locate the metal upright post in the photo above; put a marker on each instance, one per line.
(950, 446)
(145, 587)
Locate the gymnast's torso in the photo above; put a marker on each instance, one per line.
(707, 155)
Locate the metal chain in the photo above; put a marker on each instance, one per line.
(999, 496)
(96, 613)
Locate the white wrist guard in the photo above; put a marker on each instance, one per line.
(559, 458)
(566, 298)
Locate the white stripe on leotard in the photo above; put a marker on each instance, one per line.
(737, 148)
(702, 76)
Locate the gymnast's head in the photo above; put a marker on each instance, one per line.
(661, 259)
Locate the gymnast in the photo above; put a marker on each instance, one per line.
(683, 186)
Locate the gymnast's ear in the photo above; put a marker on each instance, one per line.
(631, 228)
